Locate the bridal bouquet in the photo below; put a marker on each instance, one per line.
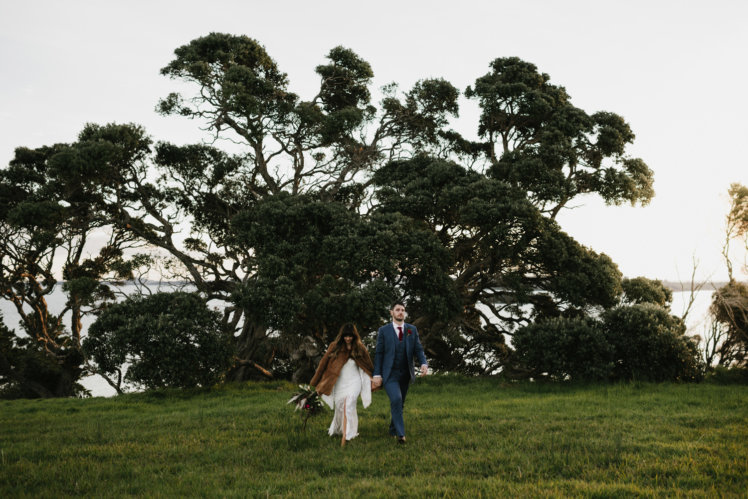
(308, 401)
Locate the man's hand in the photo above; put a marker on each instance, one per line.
(424, 370)
(376, 382)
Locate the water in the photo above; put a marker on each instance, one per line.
(696, 321)
(698, 316)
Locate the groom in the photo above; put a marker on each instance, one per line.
(397, 346)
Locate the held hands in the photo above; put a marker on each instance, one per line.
(376, 381)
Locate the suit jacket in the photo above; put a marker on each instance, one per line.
(385, 353)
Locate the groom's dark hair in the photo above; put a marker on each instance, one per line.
(396, 304)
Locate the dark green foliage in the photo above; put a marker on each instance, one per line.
(728, 375)
(475, 254)
(319, 150)
(241, 90)
(52, 200)
(538, 141)
(27, 371)
(238, 72)
(334, 205)
(505, 255)
(638, 342)
(345, 81)
(563, 348)
(643, 290)
(574, 273)
(210, 188)
(320, 264)
(421, 117)
(168, 340)
(515, 96)
(649, 344)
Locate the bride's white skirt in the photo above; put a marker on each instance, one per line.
(351, 383)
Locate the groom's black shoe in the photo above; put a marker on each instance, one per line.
(401, 440)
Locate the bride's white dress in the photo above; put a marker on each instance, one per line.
(352, 382)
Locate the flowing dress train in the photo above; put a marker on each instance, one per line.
(352, 382)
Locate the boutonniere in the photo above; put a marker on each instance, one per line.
(409, 331)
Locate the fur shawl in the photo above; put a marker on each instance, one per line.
(329, 369)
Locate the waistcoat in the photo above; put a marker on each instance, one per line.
(400, 363)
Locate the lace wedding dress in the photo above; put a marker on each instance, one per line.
(351, 383)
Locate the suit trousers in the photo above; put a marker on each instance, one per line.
(397, 388)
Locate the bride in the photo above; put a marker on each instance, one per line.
(343, 374)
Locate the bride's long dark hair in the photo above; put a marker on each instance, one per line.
(358, 350)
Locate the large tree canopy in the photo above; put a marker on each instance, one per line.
(327, 207)
(538, 141)
(295, 145)
(50, 210)
(510, 264)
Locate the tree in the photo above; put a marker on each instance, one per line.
(27, 371)
(167, 340)
(293, 145)
(324, 147)
(510, 264)
(463, 230)
(729, 312)
(726, 342)
(320, 264)
(538, 141)
(643, 290)
(48, 216)
(736, 222)
(508, 260)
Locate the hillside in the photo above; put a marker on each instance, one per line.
(467, 437)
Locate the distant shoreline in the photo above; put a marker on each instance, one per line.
(131, 282)
(686, 286)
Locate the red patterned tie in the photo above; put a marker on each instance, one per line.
(400, 333)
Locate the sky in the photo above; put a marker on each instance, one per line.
(675, 70)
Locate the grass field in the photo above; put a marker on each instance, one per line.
(466, 438)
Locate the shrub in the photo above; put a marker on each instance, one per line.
(563, 347)
(27, 371)
(649, 344)
(168, 340)
(728, 376)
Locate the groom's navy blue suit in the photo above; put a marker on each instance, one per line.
(393, 361)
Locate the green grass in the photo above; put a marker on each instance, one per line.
(466, 438)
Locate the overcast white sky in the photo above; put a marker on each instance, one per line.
(674, 69)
